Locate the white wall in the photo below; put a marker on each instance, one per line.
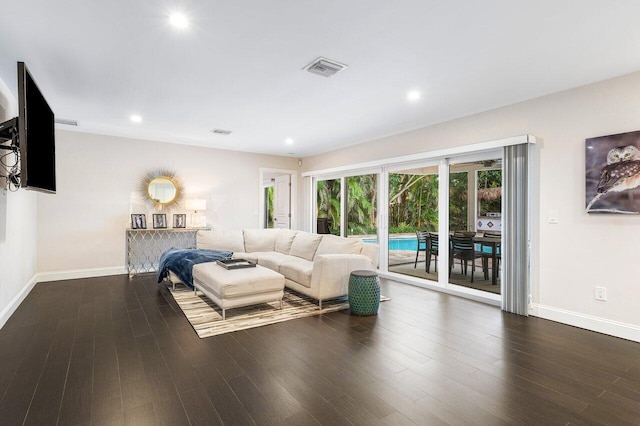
(581, 251)
(82, 227)
(18, 248)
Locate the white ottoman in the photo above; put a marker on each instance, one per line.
(237, 287)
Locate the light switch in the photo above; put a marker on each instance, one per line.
(552, 216)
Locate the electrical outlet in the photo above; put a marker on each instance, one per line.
(601, 293)
(552, 216)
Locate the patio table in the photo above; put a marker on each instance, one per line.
(494, 244)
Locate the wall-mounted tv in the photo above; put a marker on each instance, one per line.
(36, 135)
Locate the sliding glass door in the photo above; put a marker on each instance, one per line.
(438, 217)
(475, 223)
(412, 217)
(447, 235)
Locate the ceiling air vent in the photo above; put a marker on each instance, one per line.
(324, 67)
(221, 132)
(66, 122)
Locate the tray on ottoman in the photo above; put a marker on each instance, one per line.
(235, 263)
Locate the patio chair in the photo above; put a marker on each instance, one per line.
(322, 226)
(463, 248)
(464, 233)
(487, 255)
(432, 250)
(423, 240)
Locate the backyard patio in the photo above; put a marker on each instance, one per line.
(402, 262)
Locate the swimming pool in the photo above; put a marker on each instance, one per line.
(409, 243)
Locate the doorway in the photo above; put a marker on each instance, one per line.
(475, 223)
(277, 198)
(413, 220)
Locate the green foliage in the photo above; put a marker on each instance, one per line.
(490, 178)
(328, 203)
(413, 201)
(458, 206)
(362, 213)
(268, 195)
(403, 228)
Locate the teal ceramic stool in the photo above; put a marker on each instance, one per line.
(364, 292)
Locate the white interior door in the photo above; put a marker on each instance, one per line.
(282, 202)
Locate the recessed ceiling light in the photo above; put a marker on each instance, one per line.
(179, 21)
(288, 141)
(413, 95)
(136, 118)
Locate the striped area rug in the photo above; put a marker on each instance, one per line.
(206, 317)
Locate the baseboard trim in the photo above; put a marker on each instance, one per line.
(6, 313)
(80, 273)
(588, 322)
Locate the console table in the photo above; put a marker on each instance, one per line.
(145, 246)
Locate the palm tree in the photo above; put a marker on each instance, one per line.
(413, 202)
(458, 196)
(361, 204)
(328, 203)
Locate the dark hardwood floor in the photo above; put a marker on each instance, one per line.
(111, 350)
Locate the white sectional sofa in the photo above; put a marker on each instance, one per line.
(314, 265)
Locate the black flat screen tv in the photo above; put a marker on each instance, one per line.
(36, 136)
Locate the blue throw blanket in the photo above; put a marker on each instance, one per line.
(181, 261)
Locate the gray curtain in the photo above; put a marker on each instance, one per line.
(515, 230)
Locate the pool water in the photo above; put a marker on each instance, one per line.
(410, 244)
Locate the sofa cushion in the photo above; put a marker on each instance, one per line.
(305, 245)
(270, 259)
(259, 239)
(251, 257)
(298, 270)
(332, 244)
(284, 240)
(372, 251)
(220, 239)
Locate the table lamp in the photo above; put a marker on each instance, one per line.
(195, 205)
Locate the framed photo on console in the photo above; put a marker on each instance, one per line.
(159, 221)
(138, 221)
(179, 220)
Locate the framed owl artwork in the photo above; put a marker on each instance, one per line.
(613, 174)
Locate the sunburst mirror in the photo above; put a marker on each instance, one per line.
(161, 188)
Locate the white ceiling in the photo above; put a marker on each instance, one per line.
(239, 66)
